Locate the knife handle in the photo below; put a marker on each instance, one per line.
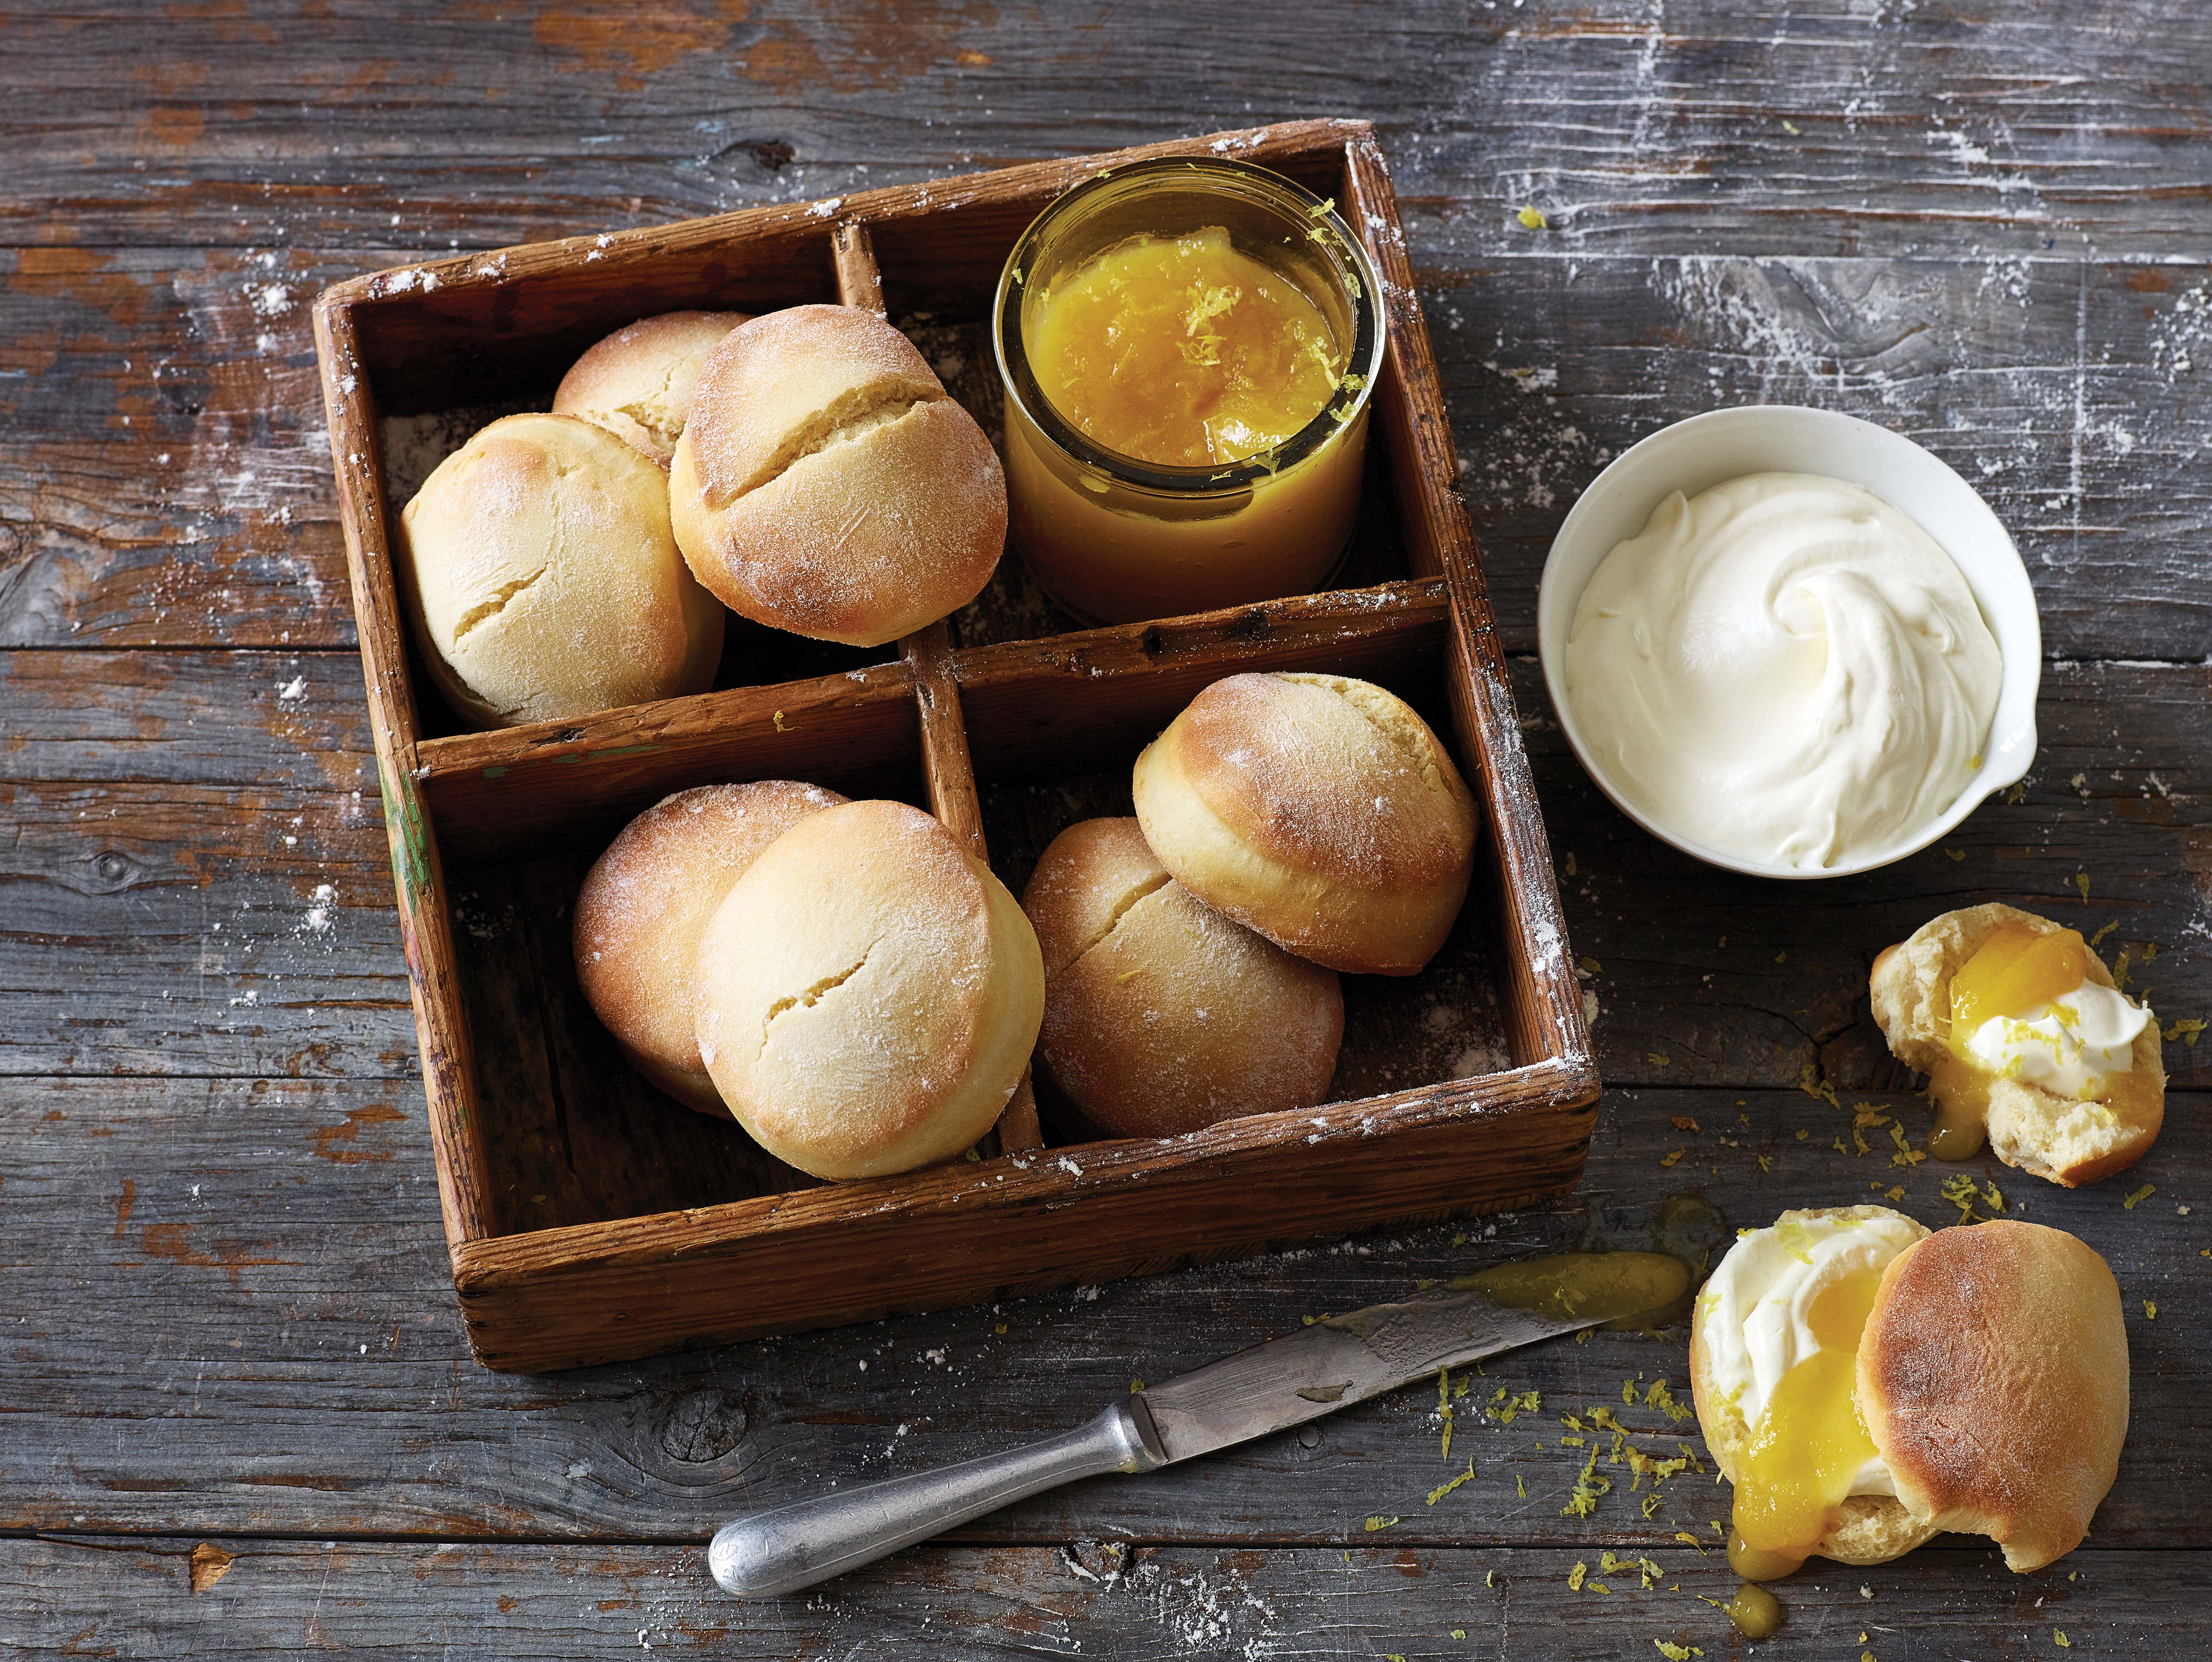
(797, 1545)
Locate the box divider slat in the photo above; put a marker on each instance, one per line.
(1545, 1013)
(1010, 688)
(946, 767)
(510, 789)
(449, 1079)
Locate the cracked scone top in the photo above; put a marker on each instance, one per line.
(541, 579)
(868, 994)
(825, 484)
(637, 383)
(646, 902)
(1162, 1016)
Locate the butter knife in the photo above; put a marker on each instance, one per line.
(1284, 1382)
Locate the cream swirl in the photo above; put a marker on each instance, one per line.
(1784, 668)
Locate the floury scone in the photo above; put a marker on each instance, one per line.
(1865, 1384)
(2024, 1039)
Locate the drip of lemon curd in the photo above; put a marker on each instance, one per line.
(1809, 1443)
(1182, 351)
(2017, 972)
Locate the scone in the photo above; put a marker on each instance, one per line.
(2020, 1029)
(825, 484)
(1317, 809)
(645, 903)
(1994, 1374)
(637, 383)
(1865, 1384)
(1161, 1016)
(867, 996)
(541, 580)
(1750, 1327)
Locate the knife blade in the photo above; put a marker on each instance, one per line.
(1339, 1360)
(1284, 1382)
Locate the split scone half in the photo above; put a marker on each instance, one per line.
(1865, 1384)
(2020, 1029)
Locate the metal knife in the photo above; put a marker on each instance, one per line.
(1284, 1382)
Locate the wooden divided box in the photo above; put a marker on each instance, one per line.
(590, 1219)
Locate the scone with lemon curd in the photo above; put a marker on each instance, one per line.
(1865, 1384)
(2024, 1037)
(1774, 1340)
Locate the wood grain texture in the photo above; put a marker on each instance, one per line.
(152, 794)
(519, 790)
(1983, 226)
(426, 924)
(1739, 126)
(131, 1597)
(280, 1352)
(164, 480)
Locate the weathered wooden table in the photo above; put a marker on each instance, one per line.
(237, 1416)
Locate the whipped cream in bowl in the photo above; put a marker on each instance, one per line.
(1789, 642)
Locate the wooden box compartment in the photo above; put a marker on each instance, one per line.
(591, 1219)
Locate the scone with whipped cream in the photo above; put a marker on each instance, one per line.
(1774, 1340)
(1865, 1384)
(2024, 1039)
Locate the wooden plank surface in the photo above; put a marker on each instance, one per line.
(235, 1319)
(126, 1596)
(167, 477)
(1728, 125)
(231, 1319)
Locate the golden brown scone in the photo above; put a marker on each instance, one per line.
(1872, 1529)
(1160, 1014)
(646, 902)
(1317, 809)
(2036, 1129)
(541, 579)
(867, 995)
(637, 382)
(826, 485)
(1993, 1377)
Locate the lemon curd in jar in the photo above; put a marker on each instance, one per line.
(1188, 347)
(1183, 350)
(2031, 983)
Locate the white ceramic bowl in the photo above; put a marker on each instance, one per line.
(1704, 450)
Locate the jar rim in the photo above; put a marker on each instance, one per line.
(1363, 363)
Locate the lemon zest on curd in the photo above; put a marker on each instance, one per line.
(1183, 351)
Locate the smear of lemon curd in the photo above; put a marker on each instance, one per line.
(2017, 973)
(1183, 351)
(1809, 1443)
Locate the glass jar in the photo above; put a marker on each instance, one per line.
(1116, 538)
